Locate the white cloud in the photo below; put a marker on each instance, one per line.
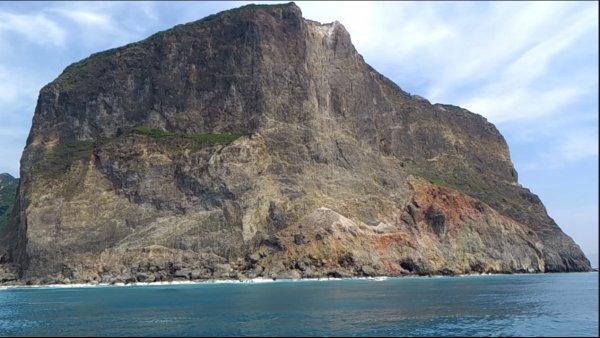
(86, 27)
(36, 28)
(535, 61)
(87, 18)
(93, 27)
(518, 91)
(486, 42)
(388, 31)
(351, 14)
(508, 105)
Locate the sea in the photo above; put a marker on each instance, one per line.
(562, 304)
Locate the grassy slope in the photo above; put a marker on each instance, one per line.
(8, 194)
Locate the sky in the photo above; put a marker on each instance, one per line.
(531, 68)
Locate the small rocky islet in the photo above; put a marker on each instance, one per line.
(256, 143)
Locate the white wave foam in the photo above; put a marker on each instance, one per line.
(260, 280)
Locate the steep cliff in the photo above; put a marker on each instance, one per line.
(258, 143)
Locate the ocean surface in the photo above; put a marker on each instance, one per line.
(497, 305)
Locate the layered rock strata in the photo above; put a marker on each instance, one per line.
(257, 143)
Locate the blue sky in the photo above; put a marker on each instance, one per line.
(531, 68)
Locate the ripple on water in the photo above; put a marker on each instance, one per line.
(514, 305)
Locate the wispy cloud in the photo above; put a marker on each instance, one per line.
(517, 91)
(35, 28)
(490, 39)
(77, 26)
(105, 24)
(506, 105)
(100, 21)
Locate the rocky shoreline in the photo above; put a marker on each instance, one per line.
(260, 280)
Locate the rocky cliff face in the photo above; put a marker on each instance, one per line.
(258, 143)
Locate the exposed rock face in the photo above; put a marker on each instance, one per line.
(316, 165)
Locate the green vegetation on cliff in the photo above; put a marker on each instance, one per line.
(440, 182)
(8, 193)
(197, 140)
(60, 158)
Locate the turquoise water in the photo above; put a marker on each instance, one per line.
(501, 305)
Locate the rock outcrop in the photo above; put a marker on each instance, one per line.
(254, 143)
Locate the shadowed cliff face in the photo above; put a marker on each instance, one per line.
(258, 143)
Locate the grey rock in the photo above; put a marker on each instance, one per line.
(254, 258)
(274, 242)
(196, 274)
(368, 270)
(229, 136)
(309, 273)
(299, 239)
(5, 277)
(183, 273)
(301, 265)
(222, 270)
(289, 274)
